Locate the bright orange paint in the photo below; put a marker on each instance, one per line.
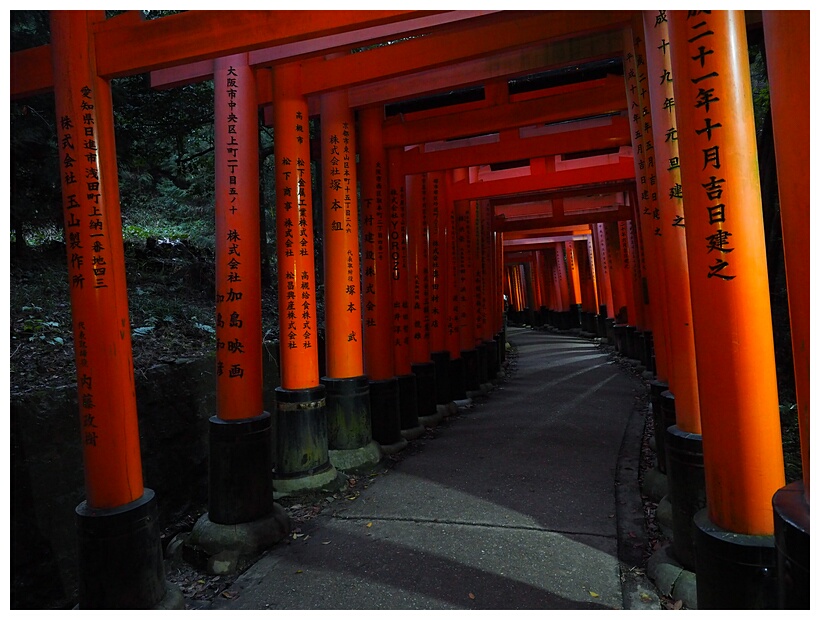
(343, 298)
(620, 292)
(96, 266)
(294, 232)
(683, 381)
(238, 277)
(742, 449)
(602, 269)
(787, 52)
(377, 295)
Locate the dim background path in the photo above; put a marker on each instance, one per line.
(512, 504)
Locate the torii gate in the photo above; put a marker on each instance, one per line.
(84, 59)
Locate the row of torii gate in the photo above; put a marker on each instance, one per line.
(631, 198)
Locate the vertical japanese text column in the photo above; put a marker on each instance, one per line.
(239, 487)
(680, 406)
(439, 214)
(647, 212)
(349, 439)
(115, 544)
(453, 267)
(418, 261)
(378, 264)
(787, 51)
(466, 297)
(400, 285)
(742, 449)
(574, 284)
(301, 459)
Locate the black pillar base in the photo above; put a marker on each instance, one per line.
(791, 539)
(687, 490)
(649, 351)
(472, 381)
(492, 359)
(409, 407)
(619, 331)
(735, 571)
(441, 362)
(483, 374)
(120, 558)
(656, 388)
(428, 414)
(629, 342)
(458, 379)
(610, 330)
(601, 331)
(350, 442)
(239, 473)
(385, 415)
(640, 347)
(301, 461)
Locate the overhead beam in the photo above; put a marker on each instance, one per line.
(197, 72)
(513, 147)
(593, 98)
(127, 46)
(487, 36)
(509, 64)
(621, 213)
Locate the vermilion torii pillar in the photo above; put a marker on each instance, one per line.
(458, 378)
(378, 273)
(787, 51)
(350, 441)
(742, 449)
(301, 456)
(439, 216)
(240, 491)
(120, 555)
(418, 267)
(682, 441)
(408, 404)
(605, 303)
(466, 300)
(574, 282)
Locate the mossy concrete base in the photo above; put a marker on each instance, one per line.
(394, 448)
(208, 539)
(413, 433)
(663, 515)
(349, 460)
(431, 421)
(655, 485)
(446, 410)
(325, 480)
(671, 579)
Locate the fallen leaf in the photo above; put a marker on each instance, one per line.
(471, 595)
(297, 571)
(645, 597)
(677, 605)
(325, 542)
(228, 594)
(594, 594)
(632, 535)
(369, 524)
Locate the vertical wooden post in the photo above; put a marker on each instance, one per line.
(742, 450)
(438, 218)
(378, 297)
(574, 284)
(418, 264)
(239, 475)
(120, 556)
(408, 404)
(787, 51)
(458, 377)
(466, 300)
(605, 303)
(350, 442)
(301, 456)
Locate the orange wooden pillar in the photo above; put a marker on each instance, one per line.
(647, 213)
(620, 297)
(400, 285)
(458, 378)
(787, 51)
(377, 263)
(743, 456)
(349, 431)
(637, 324)
(574, 285)
(301, 459)
(120, 557)
(239, 473)
(602, 269)
(418, 266)
(589, 297)
(466, 300)
(501, 314)
(481, 223)
(438, 218)
(678, 438)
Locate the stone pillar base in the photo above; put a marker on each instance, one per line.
(687, 489)
(428, 414)
(385, 415)
(791, 539)
(120, 558)
(735, 571)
